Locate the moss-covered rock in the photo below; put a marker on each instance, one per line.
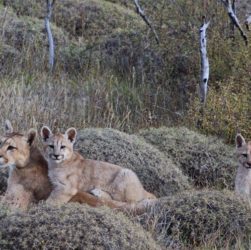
(157, 173)
(197, 218)
(3, 180)
(72, 227)
(206, 160)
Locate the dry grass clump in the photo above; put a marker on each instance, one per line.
(190, 219)
(3, 180)
(206, 160)
(157, 173)
(72, 227)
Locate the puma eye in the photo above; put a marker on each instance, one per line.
(11, 148)
(51, 146)
(62, 147)
(245, 155)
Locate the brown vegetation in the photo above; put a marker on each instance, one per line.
(211, 219)
(71, 227)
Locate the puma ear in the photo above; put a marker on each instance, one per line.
(8, 127)
(32, 133)
(71, 134)
(239, 140)
(45, 133)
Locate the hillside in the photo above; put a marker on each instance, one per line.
(107, 58)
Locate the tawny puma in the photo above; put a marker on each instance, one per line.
(243, 177)
(28, 180)
(71, 173)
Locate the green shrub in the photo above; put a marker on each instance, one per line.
(206, 160)
(200, 218)
(157, 173)
(71, 227)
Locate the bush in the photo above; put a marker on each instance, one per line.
(157, 173)
(72, 227)
(212, 218)
(206, 160)
(227, 111)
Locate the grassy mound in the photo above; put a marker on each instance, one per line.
(90, 19)
(24, 37)
(213, 218)
(72, 227)
(157, 173)
(206, 160)
(3, 180)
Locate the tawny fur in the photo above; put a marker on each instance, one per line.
(71, 173)
(243, 177)
(28, 180)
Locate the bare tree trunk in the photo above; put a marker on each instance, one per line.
(248, 22)
(234, 19)
(50, 37)
(146, 20)
(204, 62)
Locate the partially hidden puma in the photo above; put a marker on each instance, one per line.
(28, 180)
(71, 173)
(243, 176)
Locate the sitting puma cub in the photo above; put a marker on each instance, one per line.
(28, 180)
(243, 177)
(71, 173)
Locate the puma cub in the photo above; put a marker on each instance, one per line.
(71, 173)
(28, 180)
(243, 177)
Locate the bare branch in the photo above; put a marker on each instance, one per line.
(141, 12)
(204, 62)
(234, 19)
(50, 37)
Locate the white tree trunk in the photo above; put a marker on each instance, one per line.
(248, 22)
(204, 62)
(50, 37)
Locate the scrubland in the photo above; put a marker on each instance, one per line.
(134, 103)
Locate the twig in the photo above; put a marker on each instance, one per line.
(141, 12)
(204, 62)
(50, 37)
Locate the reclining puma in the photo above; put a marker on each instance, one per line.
(28, 180)
(243, 177)
(71, 173)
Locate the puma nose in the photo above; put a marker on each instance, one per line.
(249, 164)
(56, 156)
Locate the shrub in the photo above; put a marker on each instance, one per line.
(192, 219)
(206, 160)
(157, 173)
(72, 227)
